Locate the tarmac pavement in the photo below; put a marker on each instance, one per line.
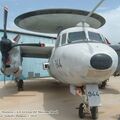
(47, 99)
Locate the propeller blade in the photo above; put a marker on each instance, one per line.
(5, 21)
(17, 38)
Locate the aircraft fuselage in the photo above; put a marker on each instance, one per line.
(83, 62)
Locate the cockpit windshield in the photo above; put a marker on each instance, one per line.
(94, 36)
(76, 36)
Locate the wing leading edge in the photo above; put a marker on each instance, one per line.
(35, 50)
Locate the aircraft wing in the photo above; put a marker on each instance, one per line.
(117, 49)
(35, 50)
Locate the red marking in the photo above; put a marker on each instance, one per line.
(42, 45)
(8, 61)
(79, 92)
(107, 42)
(16, 38)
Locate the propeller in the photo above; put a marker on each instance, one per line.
(5, 22)
(5, 43)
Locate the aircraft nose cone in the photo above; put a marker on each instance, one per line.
(101, 61)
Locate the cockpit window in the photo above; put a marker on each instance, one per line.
(76, 36)
(95, 36)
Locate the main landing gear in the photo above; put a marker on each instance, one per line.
(103, 84)
(90, 100)
(20, 85)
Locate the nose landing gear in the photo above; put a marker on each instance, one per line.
(90, 101)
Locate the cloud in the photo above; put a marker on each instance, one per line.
(112, 27)
(103, 8)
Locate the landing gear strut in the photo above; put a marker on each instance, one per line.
(103, 84)
(20, 85)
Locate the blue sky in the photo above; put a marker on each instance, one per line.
(17, 7)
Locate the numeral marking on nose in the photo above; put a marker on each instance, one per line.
(58, 63)
(94, 93)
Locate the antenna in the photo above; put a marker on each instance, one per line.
(84, 21)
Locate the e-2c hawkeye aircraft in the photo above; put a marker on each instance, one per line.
(81, 57)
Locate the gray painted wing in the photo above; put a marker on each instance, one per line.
(35, 51)
(117, 49)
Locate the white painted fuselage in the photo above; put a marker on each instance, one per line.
(70, 63)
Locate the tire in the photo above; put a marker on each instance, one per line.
(20, 85)
(81, 111)
(94, 112)
(103, 84)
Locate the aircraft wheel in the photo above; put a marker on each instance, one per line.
(94, 112)
(81, 111)
(103, 84)
(20, 85)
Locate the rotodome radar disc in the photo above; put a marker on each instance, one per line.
(51, 20)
